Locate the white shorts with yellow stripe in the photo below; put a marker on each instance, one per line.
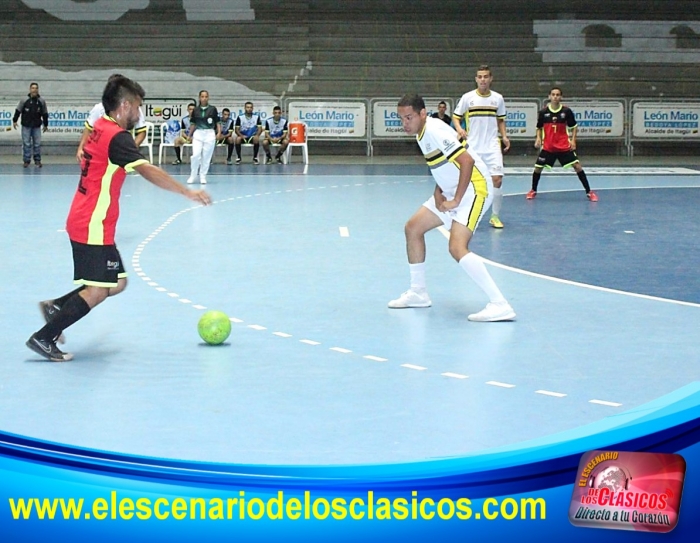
(473, 207)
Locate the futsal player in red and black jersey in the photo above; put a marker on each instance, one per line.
(553, 125)
(108, 155)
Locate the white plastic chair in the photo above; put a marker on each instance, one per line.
(148, 141)
(163, 145)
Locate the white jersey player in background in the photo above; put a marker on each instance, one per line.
(486, 121)
(462, 195)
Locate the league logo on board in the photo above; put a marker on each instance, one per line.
(628, 491)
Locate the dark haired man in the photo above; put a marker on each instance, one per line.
(276, 133)
(108, 155)
(461, 197)
(441, 113)
(248, 129)
(553, 125)
(97, 112)
(34, 113)
(486, 131)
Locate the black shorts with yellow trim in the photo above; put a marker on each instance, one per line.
(97, 265)
(248, 139)
(546, 159)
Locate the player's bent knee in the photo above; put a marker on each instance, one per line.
(94, 295)
(457, 251)
(121, 285)
(411, 228)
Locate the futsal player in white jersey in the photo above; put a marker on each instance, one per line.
(462, 195)
(486, 121)
(97, 112)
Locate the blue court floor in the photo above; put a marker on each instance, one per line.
(317, 369)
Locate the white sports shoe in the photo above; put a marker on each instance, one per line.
(494, 312)
(411, 298)
(203, 180)
(190, 180)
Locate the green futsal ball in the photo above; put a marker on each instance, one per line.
(214, 327)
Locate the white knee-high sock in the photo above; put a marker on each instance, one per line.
(497, 200)
(476, 269)
(417, 277)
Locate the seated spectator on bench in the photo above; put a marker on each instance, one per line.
(276, 133)
(182, 139)
(248, 129)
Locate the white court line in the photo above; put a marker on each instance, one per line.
(499, 384)
(521, 271)
(549, 393)
(413, 367)
(344, 232)
(454, 375)
(603, 402)
(375, 358)
(629, 231)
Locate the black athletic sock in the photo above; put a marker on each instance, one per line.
(279, 154)
(256, 150)
(71, 312)
(536, 178)
(230, 151)
(60, 302)
(584, 181)
(177, 153)
(268, 155)
(238, 150)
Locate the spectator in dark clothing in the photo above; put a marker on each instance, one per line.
(34, 113)
(441, 113)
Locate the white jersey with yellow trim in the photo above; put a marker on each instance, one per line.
(441, 146)
(483, 112)
(98, 111)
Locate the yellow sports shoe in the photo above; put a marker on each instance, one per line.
(495, 222)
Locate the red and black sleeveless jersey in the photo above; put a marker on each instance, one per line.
(109, 154)
(555, 125)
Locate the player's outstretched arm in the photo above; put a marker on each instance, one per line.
(163, 180)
